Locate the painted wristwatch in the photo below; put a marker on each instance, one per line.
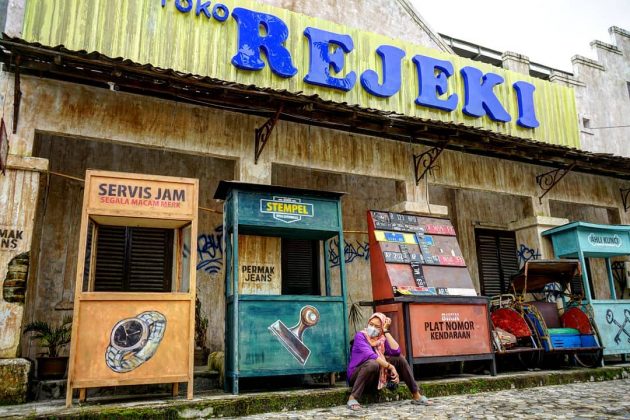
(133, 341)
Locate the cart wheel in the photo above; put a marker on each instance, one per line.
(590, 359)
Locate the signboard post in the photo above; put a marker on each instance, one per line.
(129, 338)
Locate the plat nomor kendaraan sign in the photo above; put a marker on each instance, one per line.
(254, 44)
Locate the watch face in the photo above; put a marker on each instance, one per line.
(129, 334)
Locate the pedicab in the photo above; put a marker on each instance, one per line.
(587, 240)
(561, 327)
(513, 334)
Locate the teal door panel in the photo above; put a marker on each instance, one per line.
(613, 323)
(286, 211)
(291, 337)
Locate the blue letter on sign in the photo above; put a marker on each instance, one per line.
(250, 42)
(429, 82)
(526, 111)
(480, 99)
(391, 57)
(322, 60)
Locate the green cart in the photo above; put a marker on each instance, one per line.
(275, 325)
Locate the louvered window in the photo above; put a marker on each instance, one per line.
(496, 255)
(133, 259)
(300, 267)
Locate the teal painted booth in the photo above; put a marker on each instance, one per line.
(269, 333)
(587, 240)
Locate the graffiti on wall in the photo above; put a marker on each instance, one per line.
(352, 251)
(209, 251)
(524, 254)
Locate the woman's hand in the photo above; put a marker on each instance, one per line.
(393, 374)
(388, 322)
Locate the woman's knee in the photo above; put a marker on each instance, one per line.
(397, 360)
(372, 366)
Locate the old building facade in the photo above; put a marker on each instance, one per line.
(70, 120)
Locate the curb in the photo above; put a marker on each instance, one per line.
(226, 405)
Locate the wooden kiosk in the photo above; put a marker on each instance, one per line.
(588, 240)
(420, 281)
(274, 325)
(126, 330)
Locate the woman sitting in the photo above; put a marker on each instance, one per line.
(375, 358)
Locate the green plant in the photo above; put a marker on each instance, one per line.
(50, 337)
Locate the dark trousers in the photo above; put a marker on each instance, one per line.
(366, 374)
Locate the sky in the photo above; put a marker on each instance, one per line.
(549, 32)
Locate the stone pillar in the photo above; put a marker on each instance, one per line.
(413, 200)
(530, 244)
(515, 62)
(13, 380)
(19, 189)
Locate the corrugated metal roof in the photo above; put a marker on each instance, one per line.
(145, 32)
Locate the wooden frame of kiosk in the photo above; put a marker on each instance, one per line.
(125, 337)
(272, 330)
(420, 281)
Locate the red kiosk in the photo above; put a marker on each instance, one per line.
(420, 281)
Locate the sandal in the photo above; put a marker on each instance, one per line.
(422, 401)
(353, 405)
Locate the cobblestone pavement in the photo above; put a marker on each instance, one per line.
(592, 400)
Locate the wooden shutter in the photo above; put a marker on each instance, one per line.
(133, 259)
(300, 267)
(496, 255)
(150, 256)
(110, 259)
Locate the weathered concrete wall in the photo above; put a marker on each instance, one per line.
(18, 195)
(394, 18)
(378, 173)
(11, 23)
(363, 193)
(477, 209)
(604, 98)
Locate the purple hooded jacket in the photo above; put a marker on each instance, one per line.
(362, 352)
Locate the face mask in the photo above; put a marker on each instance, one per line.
(372, 331)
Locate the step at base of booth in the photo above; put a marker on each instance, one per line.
(56, 389)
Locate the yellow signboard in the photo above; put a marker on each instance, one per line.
(397, 237)
(252, 44)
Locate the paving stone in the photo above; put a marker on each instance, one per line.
(592, 400)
